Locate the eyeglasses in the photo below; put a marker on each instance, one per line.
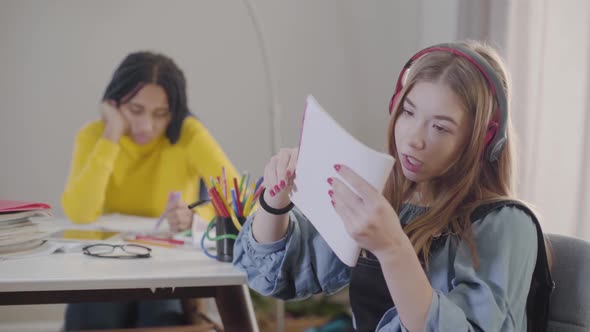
(109, 251)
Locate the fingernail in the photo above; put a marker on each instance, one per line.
(331, 193)
(272, 193)
(330, 181)
(337, 167)
(277, 189)
(288, 173)
(283, 184)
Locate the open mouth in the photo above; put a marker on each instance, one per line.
(411, 164)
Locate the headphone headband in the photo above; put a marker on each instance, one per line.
(494, 83)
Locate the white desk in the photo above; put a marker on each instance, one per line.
(169, 273)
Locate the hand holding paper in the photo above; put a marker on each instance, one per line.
(323, 144)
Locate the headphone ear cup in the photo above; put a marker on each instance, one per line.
(491, 132)
(398, 87)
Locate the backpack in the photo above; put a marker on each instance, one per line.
(542, 285)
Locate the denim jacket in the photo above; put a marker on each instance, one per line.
(490, 298)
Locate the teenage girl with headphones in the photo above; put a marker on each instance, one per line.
(444, 247)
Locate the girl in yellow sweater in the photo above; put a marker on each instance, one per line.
(146, 147)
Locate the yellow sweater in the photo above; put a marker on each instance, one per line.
(127, 178)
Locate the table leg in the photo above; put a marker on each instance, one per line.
(280, 315)
(235, 308)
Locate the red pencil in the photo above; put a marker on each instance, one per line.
(224, 212)
(216, 207)
(257, 194)
(158, 239)
(224, 184)
(237, 188)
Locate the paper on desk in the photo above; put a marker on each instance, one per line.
(127, 223)
(45, 249)
(323, 144)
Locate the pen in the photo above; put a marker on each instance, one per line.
(197, 203)
(175, 197)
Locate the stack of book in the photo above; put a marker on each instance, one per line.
(18, 232)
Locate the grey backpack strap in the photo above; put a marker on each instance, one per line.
(542, 284)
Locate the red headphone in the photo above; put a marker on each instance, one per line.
(496, 132)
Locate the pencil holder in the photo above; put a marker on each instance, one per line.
(225, 244)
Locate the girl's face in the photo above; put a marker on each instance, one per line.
(430, 132)
(147, 113)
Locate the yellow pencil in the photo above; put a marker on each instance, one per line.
(247, 208)
(234, 219)
(249, 201)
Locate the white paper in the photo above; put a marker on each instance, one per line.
(323, 144)
(45, 249)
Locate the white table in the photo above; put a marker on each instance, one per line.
(169, 273)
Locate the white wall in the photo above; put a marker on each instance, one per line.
(549, 52)
(58, 56)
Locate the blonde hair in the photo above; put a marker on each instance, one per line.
(471, 180)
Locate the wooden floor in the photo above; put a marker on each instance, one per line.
(188, 328)
(293, 325)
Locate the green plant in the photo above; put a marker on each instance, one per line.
(317, 305)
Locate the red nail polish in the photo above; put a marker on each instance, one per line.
(288, 173)
(337, 167)
(272, 193)
(277, 189)
(330, 181)
(331, 193)
(283, 184)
